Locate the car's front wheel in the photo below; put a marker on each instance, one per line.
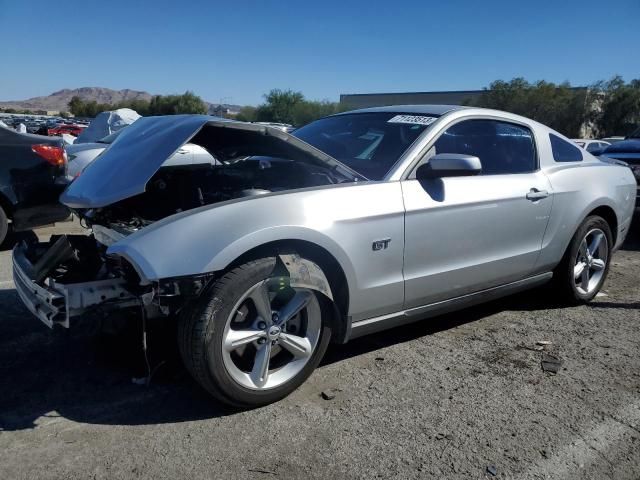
(584, 268)
(253, 339)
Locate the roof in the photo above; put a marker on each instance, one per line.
(422, 109)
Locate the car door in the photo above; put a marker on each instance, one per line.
(466, 234)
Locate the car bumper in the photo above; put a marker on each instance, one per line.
(55, 303)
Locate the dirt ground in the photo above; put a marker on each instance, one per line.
(458, 396)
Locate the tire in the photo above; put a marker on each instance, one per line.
(571, 285)
(227, 310)
(4, 226)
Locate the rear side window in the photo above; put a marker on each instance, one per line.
(502, 147)
(564, 151)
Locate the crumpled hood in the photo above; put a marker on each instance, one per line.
(125, 167)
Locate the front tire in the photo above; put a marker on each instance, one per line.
(585, 265)
(252, 339)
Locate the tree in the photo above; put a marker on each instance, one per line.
(188, 102)
(287, 106)
(247, 114)
(279, 106)
(561, 107)
(76, 105)
(619, 112)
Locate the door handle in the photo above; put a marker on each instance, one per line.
(535, 194)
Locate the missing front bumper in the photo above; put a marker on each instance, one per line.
(56, 303)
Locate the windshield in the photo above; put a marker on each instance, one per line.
(369, 143)
(635, 134)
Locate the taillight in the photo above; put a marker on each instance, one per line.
(56, 156)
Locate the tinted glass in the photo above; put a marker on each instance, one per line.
(564, 151)
(501, 147)
(593, 146)
(369, 143)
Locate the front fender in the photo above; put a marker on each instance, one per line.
(208, 239)
(344, 220)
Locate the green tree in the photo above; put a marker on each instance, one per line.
(188, 102)
(287, 106)
(619, 112)
(76, 105)
(279, 106)
(247, 114)
(561, 107)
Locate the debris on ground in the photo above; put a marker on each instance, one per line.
(492, 470)
(543, 343)
(330, 394)
(550, 363)
(261, 470)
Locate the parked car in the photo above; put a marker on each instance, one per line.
(614, 139)
(82, 154)
(71, 129)
(285, 127)
(628, 151)
(32, 177)
(591, 146)
(360, 222)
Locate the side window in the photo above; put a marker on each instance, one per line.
(501, 146)
(564, 151)
(593, 146)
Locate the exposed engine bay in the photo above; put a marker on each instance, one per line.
(176, 189)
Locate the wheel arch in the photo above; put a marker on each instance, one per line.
(610, 217)
(327, 263)
(6, 205)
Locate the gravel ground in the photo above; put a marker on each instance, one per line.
(451, 397)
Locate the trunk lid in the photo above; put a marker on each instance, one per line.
(125, 167)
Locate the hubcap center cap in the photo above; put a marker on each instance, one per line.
(274, 332)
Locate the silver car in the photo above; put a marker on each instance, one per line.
(362, 221)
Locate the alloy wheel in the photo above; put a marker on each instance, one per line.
(591, 261)
(271, 334)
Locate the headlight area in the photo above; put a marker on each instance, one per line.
(71, 278)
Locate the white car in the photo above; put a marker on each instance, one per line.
(81, 155)
(591, 145)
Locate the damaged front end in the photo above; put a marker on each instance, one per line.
(71, 277)
(126, 195)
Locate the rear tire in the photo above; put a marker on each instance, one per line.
(237, 354)
(584, 268)
(4, 226)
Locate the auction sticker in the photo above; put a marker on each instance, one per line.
(413, 119)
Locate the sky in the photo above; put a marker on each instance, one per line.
(235, 51)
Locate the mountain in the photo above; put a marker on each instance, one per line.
(59, 100)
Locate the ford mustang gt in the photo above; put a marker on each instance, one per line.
(357, 222)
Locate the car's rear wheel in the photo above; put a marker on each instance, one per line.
(4, 226)
(253, 339)
(585, 266)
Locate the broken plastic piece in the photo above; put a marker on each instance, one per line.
(551, 364)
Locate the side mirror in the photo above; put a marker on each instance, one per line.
(449, 165)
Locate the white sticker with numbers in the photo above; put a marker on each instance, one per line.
(413, 119)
